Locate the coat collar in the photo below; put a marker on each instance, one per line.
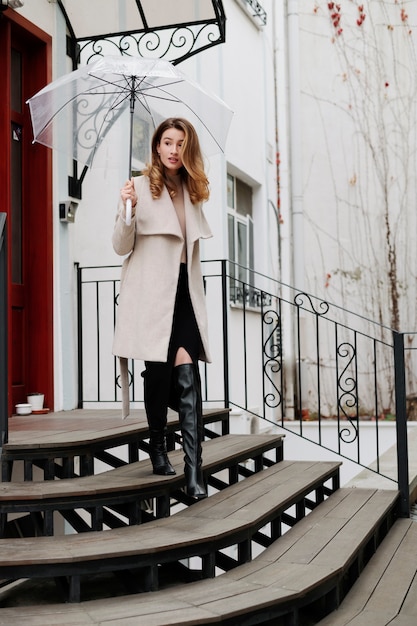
(158, 217)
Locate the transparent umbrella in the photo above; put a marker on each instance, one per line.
(76, 112)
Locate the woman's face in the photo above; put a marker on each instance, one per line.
(169, 149)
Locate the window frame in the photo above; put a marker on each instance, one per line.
(241, 270)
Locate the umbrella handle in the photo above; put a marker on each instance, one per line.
(128, 219)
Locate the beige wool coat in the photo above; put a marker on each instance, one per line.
(154, 244)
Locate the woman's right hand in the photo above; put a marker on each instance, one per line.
(128, 192)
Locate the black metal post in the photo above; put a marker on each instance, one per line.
(4, 409)
(401, 424)
(79, 335)
(74, 183)
(225, 334)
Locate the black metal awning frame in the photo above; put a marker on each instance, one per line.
(180, 41)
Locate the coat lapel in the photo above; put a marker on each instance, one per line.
(196, 224)
(156, 217)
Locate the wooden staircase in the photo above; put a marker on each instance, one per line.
(276, 542)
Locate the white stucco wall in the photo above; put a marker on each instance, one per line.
(358, 121)
(41, 13)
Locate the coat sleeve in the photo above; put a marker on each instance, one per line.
(123, 235)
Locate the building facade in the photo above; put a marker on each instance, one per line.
(46, 247)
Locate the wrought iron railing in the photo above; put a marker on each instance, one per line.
(257, 10)
(3, 332)
(285, 356)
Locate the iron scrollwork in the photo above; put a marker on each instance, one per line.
(244, 294)
(175, 44)
(300, 301)
(272, 350)
(258, 10)
(347, 392)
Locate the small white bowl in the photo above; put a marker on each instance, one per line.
(23, 409)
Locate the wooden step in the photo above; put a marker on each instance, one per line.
(127, 487)
(56, 441)
(386, 592)
(234, 516)
(304, 572)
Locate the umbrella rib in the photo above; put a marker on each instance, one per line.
(87, 92)
(105, 101)
(174, 99)
(115, 107)
(128, 79)
(144, 103)
(57, 112)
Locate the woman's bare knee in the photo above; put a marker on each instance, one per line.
(182, 357)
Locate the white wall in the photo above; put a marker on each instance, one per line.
(40, 13)
(358, 121)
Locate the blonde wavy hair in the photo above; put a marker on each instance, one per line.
(192, 171)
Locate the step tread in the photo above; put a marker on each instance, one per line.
(84, 427)
(387, 588)
(220, 452)
(245, 505)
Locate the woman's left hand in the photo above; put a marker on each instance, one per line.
(128, 193)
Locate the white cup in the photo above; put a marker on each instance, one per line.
(36, 400)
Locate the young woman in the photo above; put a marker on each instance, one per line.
(161, 316)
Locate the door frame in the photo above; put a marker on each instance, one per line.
(37, 206)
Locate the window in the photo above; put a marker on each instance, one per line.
(240, 234)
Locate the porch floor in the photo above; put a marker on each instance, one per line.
(76, 426)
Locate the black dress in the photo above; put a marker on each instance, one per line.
(159, 387)
(185, 333)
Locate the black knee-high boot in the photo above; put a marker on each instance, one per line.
(188, 388)
(156, 387)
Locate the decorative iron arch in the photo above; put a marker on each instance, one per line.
(174, 31)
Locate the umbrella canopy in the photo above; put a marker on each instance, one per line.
(75, 113)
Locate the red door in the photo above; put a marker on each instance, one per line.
(26, 198)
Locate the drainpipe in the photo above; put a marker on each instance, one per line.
(293, 244)
(296, 182)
